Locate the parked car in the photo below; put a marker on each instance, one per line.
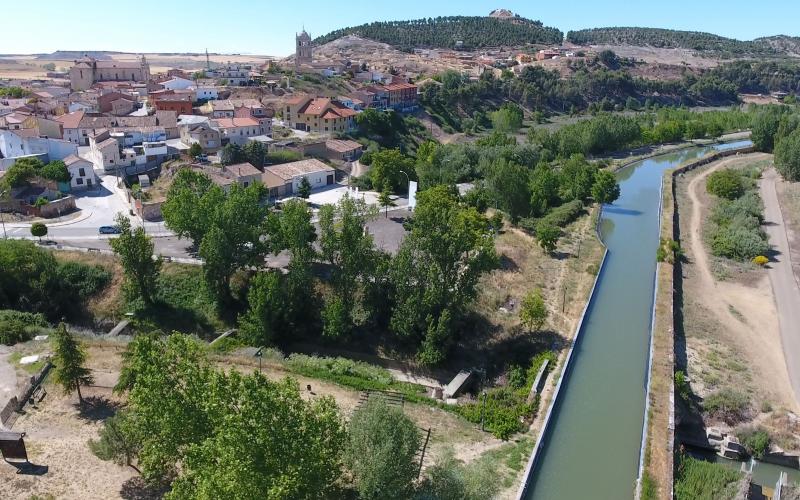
(109, 230)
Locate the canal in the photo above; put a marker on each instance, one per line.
(591, 446)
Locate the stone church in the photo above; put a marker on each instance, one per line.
(88, 71)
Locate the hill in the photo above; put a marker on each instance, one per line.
(665, 38)
(782, 43)
(444, 32)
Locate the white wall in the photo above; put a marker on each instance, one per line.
(177, 84)
(316, 179)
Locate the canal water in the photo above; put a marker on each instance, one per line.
(591, 448)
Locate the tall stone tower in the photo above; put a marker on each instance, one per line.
(302, 53)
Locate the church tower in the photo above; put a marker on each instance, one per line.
(302, 54)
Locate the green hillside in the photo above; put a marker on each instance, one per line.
(664, 38)
(445, 32)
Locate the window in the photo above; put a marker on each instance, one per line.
(81, 172)
(79, 181)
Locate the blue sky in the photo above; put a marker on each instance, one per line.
(268, 27)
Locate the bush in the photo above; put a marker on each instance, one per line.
(701, 480)
(17, 326)
(564, 214)
(727, 404)
(85, 280)
(682, 387)
(738, 243)
(726, 184)
(760, 260)
(755, 440)
(337, 368)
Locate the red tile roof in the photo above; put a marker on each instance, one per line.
(71, 120)
(235, 122)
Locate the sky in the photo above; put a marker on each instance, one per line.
(268, 27)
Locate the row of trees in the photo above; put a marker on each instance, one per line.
(777, 129)
(444, 32)
(666, 38)
(448, 247)
(203, 431)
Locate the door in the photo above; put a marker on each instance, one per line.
(330, 179)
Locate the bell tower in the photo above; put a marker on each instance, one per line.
(302, 53)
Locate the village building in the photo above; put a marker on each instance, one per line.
(203, 134)
(320, 115)
(88, 71)
(284, 179)
(81, 172)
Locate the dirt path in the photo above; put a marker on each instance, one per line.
(784, 286)
(747, 313)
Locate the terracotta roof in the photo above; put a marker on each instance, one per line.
(295, 100)
(315, 106)
(221, 105)
(242, 169)
(400, 86)
(235, 122)
(71, 120)
(287, 171)
(342, 146)
(72, 159)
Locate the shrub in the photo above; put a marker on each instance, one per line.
(755, 440)
(17, 326)
(682, 387)
(332, 368)
(727, 404)
(738, 243)
(85, 280)
(760, 260)
(726, 184)
(701, 480)
(564, 214)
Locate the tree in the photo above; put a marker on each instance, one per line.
(548, 235)
(304, 190)
(38, 229)
(787, 156)
(577, 178)
(447, 249)
(605, 188)
(543, 187)
(350, 251)
(69, 358)
(206, 427)
(533, 311)
(231, 154)
(507, 119)
(385, 198)
(255, 152)
(763, 128)
(234, 238)
(293, 231)
(190, 204)
(726, 184)
(195, 149)
(381, 451)
(21, 172)
(507, 181)
(386, 167)
(449, 479)
(264, 317)
(135, 251)
(119, 440)
(56, 171)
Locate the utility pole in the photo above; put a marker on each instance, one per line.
(259, 354)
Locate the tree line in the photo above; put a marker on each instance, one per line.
(444, 32)
(449, 246)
(670, 39)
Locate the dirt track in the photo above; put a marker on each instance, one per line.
(747, 313)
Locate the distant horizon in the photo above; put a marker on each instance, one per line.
(268, 30)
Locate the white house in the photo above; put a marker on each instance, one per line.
(15, 144)
(207, 93)
(81, 171)
(177, 83)
(285, 179)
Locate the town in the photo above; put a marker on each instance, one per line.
(457, 256)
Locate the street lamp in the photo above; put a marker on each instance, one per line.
(259, 354)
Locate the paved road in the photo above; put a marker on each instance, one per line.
(784, 286)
